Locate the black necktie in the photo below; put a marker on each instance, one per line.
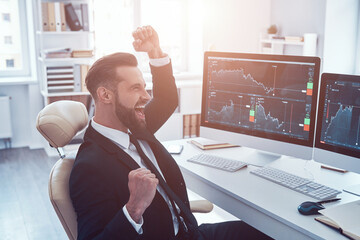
(190, 223)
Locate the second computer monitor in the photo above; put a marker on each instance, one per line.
(338, 126)
(267, 102)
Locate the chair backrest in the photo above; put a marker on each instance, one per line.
(59, 122)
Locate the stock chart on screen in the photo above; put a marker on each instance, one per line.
(340, 116)
(261, 97)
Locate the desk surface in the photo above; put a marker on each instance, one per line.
(263, 204)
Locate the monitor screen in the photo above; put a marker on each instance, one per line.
(338, 124)
(267, 96)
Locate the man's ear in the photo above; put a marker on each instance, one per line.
(105, 95)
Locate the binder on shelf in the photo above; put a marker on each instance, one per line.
(186, 126)
(51, 15)
(77, 78)
(85, 16)
(194, 125)
(45, 16)
(57, 16)
(91, 108)
(71, 18)
(62, 16)
(83, 72)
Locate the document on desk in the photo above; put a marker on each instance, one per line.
(206, 144)
(345, 218)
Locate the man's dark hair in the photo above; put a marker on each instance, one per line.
(103, 71)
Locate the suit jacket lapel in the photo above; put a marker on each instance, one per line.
(92, 135)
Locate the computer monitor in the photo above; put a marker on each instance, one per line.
(261, 101)
(337, 140)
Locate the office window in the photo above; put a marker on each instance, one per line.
(8, 40)
(10, 63)
(14, 59)
(170, 25)
(6, 17)
(114, 26)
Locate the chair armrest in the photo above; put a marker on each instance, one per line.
(201, 206)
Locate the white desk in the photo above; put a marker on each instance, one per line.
(263, 204)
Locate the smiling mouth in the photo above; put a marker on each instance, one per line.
(140, 111)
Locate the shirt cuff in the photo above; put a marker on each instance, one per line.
(159, 62)
(137, 226)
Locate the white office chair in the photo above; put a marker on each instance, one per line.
(58, 123)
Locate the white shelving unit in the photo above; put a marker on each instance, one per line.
(61, 39)
(274, 46)
(277, 46)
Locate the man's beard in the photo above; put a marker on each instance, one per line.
(127, 116)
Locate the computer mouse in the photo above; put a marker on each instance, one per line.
(310, 208)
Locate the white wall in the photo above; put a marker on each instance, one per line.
(341, 30)
(294, 18)
(234, 25)
(25, 103)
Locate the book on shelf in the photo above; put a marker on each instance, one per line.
(85, 53)
(345, 218)
(278, 37)
(294, 39)
(206, 144)
(57, 53)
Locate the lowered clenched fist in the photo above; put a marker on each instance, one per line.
(142, 186)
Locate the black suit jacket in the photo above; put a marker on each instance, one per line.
(99, 178)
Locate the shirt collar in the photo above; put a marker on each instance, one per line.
(120, 138)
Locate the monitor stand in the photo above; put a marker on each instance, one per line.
(262, 158)
(353, 189)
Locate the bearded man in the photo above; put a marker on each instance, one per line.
(124, 184)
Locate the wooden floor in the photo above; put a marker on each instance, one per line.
(25, 208)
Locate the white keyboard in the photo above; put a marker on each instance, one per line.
(299, 184)
(217, 162)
